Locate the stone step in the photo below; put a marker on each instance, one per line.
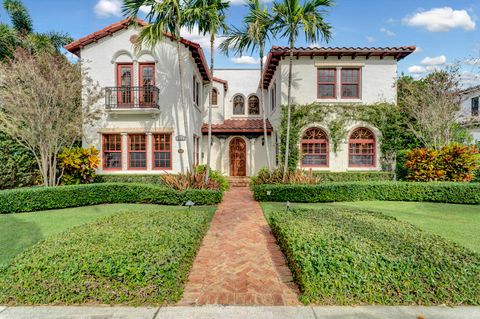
(239, 181)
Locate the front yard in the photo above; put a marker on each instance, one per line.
(110, 254)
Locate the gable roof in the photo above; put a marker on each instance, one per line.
(471, 89)
(195, 48)
(278, 52)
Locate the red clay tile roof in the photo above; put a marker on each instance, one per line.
(195, 49)
(238, 126)
(278, 52)
(224, 82)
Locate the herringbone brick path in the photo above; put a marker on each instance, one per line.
(239, 262)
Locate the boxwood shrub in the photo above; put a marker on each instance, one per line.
(129, 178)
(44, 198)
(131, 258)
(350, 257)
(444, 192)
(353, 176)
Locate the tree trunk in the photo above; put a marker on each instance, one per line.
(287, 143)
(209, 146)
(264, 111)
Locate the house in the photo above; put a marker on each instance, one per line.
(145, 128)
(470, 113)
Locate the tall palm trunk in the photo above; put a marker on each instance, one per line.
(287, 144)
(264, 111)
(212, 52)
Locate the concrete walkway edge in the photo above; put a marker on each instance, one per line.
(241, 312)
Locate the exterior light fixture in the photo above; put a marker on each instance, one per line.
(287, 205)
(269, 193)
(189, 204)
(180, 138)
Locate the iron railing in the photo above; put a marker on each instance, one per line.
(132, 97)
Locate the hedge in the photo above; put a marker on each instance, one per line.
(129, 178)
(44, 198)
(444, 192)
(353, 176)
(350, 257)
(131, 258)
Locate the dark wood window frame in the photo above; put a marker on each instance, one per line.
(320, 82)
(214, 96)
(316, 140)
(252, 100)
(356, 83)
(475, 106)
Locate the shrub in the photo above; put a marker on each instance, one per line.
(400, 169)
(129, 178)
(130, 258)
(456, 163)
(44, 198)
(221, 180)
(353, 176)
(445, 192)
(17, 164)
(350, 257)
(77, 165)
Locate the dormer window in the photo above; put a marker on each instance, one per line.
(238, 105)
(253, 105)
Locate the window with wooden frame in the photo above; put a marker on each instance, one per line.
(350, 83)
(273, 96)
(137, 151)
(162, 151)
(147, 84)
(361, 149)
(238, 105)
(327, 83)
(124, 84)
(196, 91)
(475, 106)
(214, 96)
(314, 148)
(253, 105)
(112, 151)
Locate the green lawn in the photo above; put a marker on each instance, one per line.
(458, 223)
(21, 231)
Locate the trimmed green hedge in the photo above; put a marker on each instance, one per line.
(350, 257)
(129, 178)
(134, 258)
(44, 198)
(353, 176)
(445, 192)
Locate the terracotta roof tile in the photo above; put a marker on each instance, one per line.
(239, 126)
(224, 82)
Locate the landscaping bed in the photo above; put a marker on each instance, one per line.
(341, 256)
(445, 192)
(137, 257)
(44, 198)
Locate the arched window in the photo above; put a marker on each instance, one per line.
(238, 105)
(214, 96)
(314, 148)
(253, 105)
(361, 148)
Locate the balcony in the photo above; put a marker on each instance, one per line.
(132, 99)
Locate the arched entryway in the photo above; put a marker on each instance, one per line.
(238, 157)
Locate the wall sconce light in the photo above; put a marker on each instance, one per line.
(180, 138)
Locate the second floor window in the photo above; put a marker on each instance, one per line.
(125, 83)
(137, 151)
(253, 105)
(196, 91)
(475, 106)
(238, 105)
(214, 96)
(351, 83)
(327, 83)
(147, 83)
(273, 96)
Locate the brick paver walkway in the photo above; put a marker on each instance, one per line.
(239, 262)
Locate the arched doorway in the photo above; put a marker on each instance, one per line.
(238, 157)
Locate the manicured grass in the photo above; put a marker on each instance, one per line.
(458, 223)
(342, 256)
(141, 256)
(21, 231)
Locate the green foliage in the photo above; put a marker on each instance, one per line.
(221, 180)
(43, 198)
(387, 118)
(299, 176)
(129, 178)
(456, 163)
(17, 164)
(78, 165)
(130, 258)
(400, 169)
(444, 192)
(350, 257)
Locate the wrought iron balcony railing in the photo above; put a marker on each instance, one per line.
(132, 97)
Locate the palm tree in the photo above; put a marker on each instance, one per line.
(253, 36)
(165, 17)
(289, 17)
(209, 16)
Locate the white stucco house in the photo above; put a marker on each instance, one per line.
(470, 112)
(144, 128)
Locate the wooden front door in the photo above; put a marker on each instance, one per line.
(238, 157)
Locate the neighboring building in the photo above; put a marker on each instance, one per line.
(143, 127)
(470, 112)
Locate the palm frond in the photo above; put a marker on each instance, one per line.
(21, 20)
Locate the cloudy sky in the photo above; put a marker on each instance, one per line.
(444, 31)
